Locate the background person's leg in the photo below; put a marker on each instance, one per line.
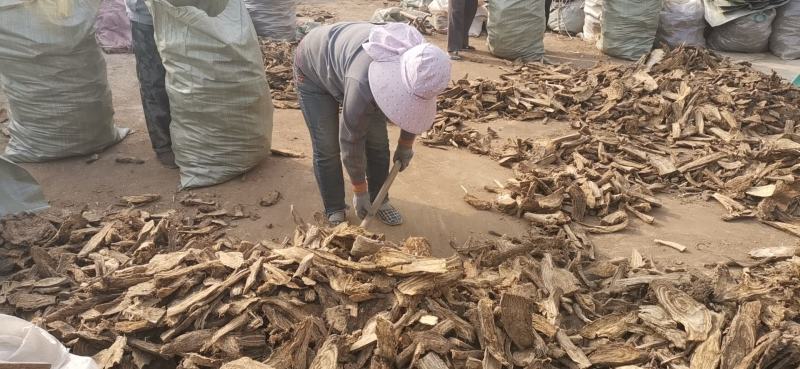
(547, 4)
(470, 8)
(155, 103)
(456, 25)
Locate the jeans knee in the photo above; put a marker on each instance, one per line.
(325, 155)
(378, 145)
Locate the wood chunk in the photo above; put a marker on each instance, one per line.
(46, 265)
(337, 318)
(205, 295)
(674, 245)
(557, 278)
(777, 252)
(477, 203)
(270, 198)
(551, 202)
(286, 153)
(695, 318)
(606, 229)
(610, 326)
(616, 217)
(462, 328)
(191, 360)
(231, 259)
(128, 160)
(417, 246)
(541, 325)
(636, 260)
(663, 165)
(657, 319)
(506, 204)
(489, 361)
(554, 219)
(516, 308)
(429, 320)
(642, 216)
(139, 200)
(617, 354)
(578, 199)
(98, 240)
(741, 335)
(425, 283)
(574, 352)
(232, 325)
(491, 341)
(786, 227)
(431, 361)
(702, 161)
(765, 342)
(191, 341)
(707, 354)
(31, 301)
(246, 363)
(328, 355)
(368, 335)
(112, 355)
(735, 209)
(387, 339)
(364, 246)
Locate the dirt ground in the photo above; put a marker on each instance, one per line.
(429, 193)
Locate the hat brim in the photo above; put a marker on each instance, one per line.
(409, 112)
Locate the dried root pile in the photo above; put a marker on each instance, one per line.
(683, 120)
(278, 61)
(139, 290)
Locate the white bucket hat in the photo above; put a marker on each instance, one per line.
(406, 75)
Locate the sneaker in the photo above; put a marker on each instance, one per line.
(454, 55)
(167, 159)
(389, 215)
(337, 217)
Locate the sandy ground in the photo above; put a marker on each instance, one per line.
(428, 193)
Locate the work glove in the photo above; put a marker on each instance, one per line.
(361, 203)
(403, 154)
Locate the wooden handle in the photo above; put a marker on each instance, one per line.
(381, 194)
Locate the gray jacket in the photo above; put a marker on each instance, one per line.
(138, 12)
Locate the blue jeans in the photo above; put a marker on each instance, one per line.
(321, 112)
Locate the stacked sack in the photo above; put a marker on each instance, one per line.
(219, 98)
(516, 29)
(629, 27)
(747, 34)
(593, 19)
(682, 23)
(54, 75)
(567, 17)
(785, 39)
(274, 19)
(439, 11)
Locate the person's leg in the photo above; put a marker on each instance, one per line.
(321, 113)
(155, 103)
(455, 25)
(470, 9)
(547, 4)
(378, 160)
(377, 151)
